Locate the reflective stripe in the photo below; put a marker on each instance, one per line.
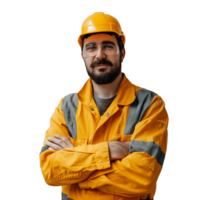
(137, 109)
(69, 107)
(44, 148)
(64, 196)
(149, 147)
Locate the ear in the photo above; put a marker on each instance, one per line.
(123, 54)
(81, 56)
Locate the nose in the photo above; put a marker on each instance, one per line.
(100, 54)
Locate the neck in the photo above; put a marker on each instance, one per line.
(108, 90)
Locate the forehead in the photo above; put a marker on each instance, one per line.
(98, 38)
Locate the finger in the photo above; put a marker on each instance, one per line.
(62, 137)
(57, 141)
(65, 139)
(53, 146)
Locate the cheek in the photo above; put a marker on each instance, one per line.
(88, 62)
(116, 61)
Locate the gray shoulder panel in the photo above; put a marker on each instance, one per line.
(137, 109)
(69, 107)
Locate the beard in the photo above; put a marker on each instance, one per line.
(105, 76)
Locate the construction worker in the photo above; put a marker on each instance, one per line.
(109, 140)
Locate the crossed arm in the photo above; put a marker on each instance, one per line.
(117, 150)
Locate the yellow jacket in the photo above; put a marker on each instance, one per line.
(85, 171)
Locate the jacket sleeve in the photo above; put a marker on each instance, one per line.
(71, 165)
(136, 174)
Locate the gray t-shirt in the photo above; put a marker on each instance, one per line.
(102, 104)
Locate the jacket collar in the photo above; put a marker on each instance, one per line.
(125, 94)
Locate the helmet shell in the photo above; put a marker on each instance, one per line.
(100, 22)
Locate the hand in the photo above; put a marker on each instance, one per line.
(59, 142)
(118, 150)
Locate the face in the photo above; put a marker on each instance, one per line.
(102, 68)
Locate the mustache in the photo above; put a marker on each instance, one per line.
(99, 62)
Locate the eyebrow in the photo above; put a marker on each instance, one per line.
(104, 42)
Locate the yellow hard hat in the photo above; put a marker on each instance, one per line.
(100, 22)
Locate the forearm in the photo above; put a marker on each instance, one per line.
(129, 177)
(73, 165)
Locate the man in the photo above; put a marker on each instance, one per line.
(109, 140)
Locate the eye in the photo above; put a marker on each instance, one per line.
(91, 48)
(108, 46)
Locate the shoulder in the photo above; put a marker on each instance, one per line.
(142, 93)
(146, 95)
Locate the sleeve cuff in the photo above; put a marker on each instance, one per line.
(102, 157)
(102, 160)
